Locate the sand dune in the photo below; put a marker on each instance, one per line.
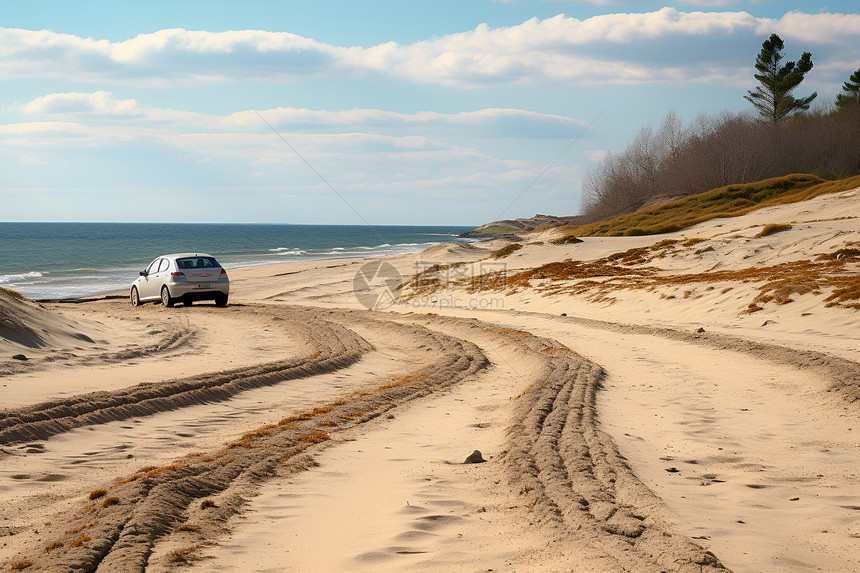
(635, 412)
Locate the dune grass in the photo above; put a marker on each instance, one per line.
(14, 294)
(729, 201)
(773, 228)
(505, 251)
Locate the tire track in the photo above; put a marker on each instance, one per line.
(572, 475)
(152, 504)
(333, 347)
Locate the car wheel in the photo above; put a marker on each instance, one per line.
(135, 297)
(221, 300)
(166, 299)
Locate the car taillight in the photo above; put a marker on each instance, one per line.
(177, 274)
(223, 274)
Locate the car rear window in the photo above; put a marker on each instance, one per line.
(197, 263)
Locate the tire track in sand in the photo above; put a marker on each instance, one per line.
(334, 347)
(571, 474)
(119, 535)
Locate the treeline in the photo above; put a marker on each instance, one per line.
(713, 151)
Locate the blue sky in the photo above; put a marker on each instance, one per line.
(406, 112)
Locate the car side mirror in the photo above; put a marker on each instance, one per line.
(143, 273)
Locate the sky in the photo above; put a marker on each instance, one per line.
(378, 112)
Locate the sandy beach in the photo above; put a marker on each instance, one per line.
(679, 402)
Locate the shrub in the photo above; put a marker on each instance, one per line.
(565, 240)
(110, 501)
(506, 250)
(80, 540)
(773, 228)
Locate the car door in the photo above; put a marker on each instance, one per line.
(149, 286)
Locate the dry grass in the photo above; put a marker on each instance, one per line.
(80, 528)
(150, 473)
(315, 437)
(188, 528)
(14, 294)
(97, 493)
(207, 503)
(110, 501)
(628, 270)
(79, 541)
(52, 546)
(505, 251)
(567, 239)
(184, 555)
(773, 228)
(511, 331)
(19, 565)
(729, 201)
(693, 241)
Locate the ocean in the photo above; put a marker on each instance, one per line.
(59, 260)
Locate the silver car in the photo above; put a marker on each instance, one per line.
(184, 278)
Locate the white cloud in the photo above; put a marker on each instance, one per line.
(559, 48)
(487, 122)
(97, 103)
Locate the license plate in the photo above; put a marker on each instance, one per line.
(202, 286)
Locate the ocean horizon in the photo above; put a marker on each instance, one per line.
(64, 260)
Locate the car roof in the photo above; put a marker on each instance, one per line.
(184, 255)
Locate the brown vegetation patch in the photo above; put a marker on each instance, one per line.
(80, 528)
(188, 528)
(14, 294)
(110, 501)
(184, 555)
(773, 228)
(79, 541)
(506, 250)
(52, 546)
(97, 493)
(155, 471)
(513, 331)
(567, 239)
(728, 201)
(19, 565)
(837, 270)
(207, 503)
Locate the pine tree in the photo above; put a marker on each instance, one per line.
(773, 98)
(850, 91)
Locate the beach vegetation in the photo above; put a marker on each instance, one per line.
(11, 293)
(567, 239)
(80, 528)
(713, 152)
(97, 493)
(20, 565)
(109, 501)
(835, 272)
(498, 229)
(207, 503)
(506, 250)
(727, 201)
(51, 546)
(79, 541)
(773, 228)
(184, 555)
